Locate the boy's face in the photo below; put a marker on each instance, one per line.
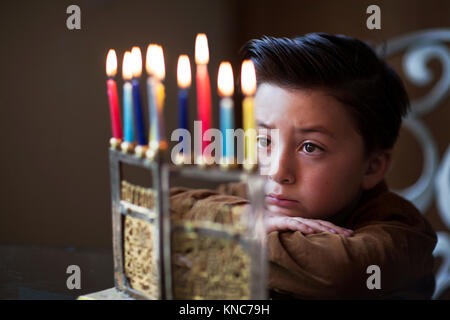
(318, 163)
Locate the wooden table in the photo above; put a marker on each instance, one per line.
(38, 272)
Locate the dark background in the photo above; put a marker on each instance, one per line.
(54, 120)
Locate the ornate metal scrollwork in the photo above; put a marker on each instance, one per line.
(434, 182)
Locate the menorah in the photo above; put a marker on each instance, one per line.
(158, 254)
(162, 250)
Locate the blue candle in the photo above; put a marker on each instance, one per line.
(128, 114)
(136, 58)
(138, 118)
(183, 109)
(184, 79)
(225, 85)
(227, 122)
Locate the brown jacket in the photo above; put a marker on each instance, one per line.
(389, 232)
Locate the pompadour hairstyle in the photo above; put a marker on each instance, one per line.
(347, 68)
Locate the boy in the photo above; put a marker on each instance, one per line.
(330, 216)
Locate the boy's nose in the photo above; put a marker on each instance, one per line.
(284, 169)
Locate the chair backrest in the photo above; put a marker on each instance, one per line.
(434, 181)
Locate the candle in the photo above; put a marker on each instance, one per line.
(203, 86)
(248, 85)
(152, 108)
(138, 117)
(128, 114)
(111, 70)
(225, 85)
(156, 93)
(184, 82)
(160, 96)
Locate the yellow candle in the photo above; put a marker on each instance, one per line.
(156, 71)
(248, 85)
(160, 96)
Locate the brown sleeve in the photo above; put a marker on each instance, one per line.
(237, 189)
(203, 204)
(331, 266)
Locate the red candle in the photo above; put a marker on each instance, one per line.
(111, 70)
(203, 84)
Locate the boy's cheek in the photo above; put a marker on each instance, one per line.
(327, 196)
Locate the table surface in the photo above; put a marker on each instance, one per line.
(38, 272)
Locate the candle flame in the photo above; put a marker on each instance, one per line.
(127, 72)
(225, 82)
(248, 78)
(201, 49)
(154, 61)
(136, 65)
(184, 71)
(111, 63)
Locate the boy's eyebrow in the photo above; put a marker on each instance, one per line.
(264, 125)
(319, 129)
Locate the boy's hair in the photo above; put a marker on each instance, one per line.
(345, 67)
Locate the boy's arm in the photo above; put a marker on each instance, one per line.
(204, 204)
(326, 265)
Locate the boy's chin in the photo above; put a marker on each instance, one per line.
(282, 211)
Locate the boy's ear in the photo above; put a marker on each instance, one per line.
(377, 165)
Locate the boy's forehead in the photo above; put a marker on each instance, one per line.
(274, 103)
(280, 107)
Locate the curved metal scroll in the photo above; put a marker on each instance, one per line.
(420, 47)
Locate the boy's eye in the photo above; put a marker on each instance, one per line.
(310, 148)
(263, 141)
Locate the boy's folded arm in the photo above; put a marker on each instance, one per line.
(204, 204)
(326, 265)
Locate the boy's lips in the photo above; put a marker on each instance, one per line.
(281, 201)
